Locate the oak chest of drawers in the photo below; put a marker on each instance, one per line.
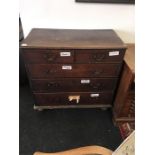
(73, 68)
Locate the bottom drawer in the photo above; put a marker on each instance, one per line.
(53, 99)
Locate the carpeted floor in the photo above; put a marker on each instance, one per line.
(57, 130)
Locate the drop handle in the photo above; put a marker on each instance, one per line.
(99, 72)
(50, 71)
(99, 57)
(52, 84)
(96, 86)
(50, 57)
(74, 97)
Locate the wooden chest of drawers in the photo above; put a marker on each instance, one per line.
(73, 68)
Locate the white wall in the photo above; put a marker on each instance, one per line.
(70, 14)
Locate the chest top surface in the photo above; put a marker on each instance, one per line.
(71, 39)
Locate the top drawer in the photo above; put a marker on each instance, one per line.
(48, 56)
(99, 56)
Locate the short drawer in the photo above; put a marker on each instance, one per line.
(74, 84)
(48, 56)
(73, 70)
(49, 99)
(99, 56)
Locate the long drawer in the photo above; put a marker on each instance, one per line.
(73, 84)
(73, 70)
(99, 56)
(50, 99)
(48, 56)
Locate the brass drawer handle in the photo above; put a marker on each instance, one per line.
(74, 97)
(96, 86)
(52, 84)
(96, 73)
(99, 57)
(50, 57)
(51, 71)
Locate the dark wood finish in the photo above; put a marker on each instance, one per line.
(47, 56)
(82, 56)
(57, 61)
(73, 39)
(49, 99)
(74, 84)
(124, 104)
(98, 56)
(80, 70)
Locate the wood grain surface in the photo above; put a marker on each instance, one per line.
(73, 39)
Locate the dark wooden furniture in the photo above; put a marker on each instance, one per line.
(73, 68)
(124, 104)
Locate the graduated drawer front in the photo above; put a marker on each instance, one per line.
(99, 56)
(74, 84)
(50, 99)
(48, 56)
(73, 70)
